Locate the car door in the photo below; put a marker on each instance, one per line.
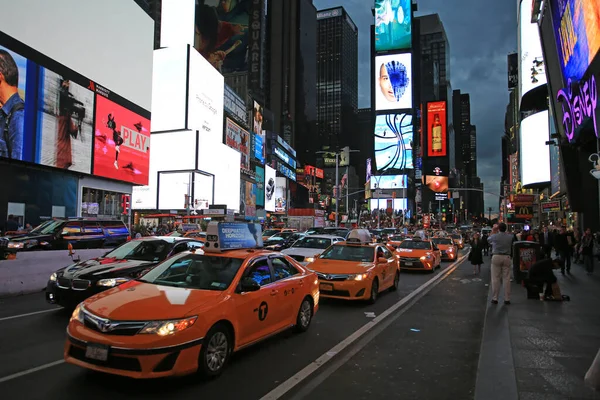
(93, 236)
(392, 265)
(387, 269)
(71, 233)
(437, 253)
(256, 310)
(290, 284)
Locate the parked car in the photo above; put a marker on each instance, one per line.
(70, 285)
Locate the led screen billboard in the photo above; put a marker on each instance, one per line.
(249, 200)
(382, 204)
(534, 153)
(259, 148)
(393, 82)
(270, 182)
(238, 139)
(393, 142)
(280, 194)
(260, 186)
(531, 63)
(437, 184)
(393, 21)
(222, 33)
(577, 32)
(389, 182)
(436, 129)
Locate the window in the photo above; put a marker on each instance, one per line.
(194, 245)
(282, 268)
(72, 227)
(259, 272)
(92, 227)
(386, 253)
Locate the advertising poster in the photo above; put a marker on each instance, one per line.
(393, 24)
(250, 199)
(389, 182)
(259, 148)
(436, 167)
(13, 139)
(393, 138)
(239, 235)
(436, 130)
(280, 195)
(122, 143)
(257, 118)
(531, 68)
(369, 169)
(238, 139)
(577, 32)
(270, 182)
(527, 258)
(393, 82)
(437, 184)
(222, 33)
(260, 186)
(65, 123)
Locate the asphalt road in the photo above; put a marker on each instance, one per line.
(33, 339)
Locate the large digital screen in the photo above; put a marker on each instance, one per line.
(393, 21)
(121, 143)
(534, 153)
(577, 32)
(259, 147)
(393, 142)
(389, 182)
(260, 186)
(393, 82)
(222, 33)
(436, 129)
(531, 63)
(437, 184)
(283, 156)
(270, 183)
(238, 139)
(381, 204)
(281, 194)
(249, 199)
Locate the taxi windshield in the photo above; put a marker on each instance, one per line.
(312, 243)
(195, 271)
(142, 250)
(350, 253)
(456, 237)
(415, 244)
(442, 241)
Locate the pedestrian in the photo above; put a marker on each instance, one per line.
(475, 255)
(587, 251)
(485, 244)
(564, 250)
(12, 225)
(547, 242)
(541, 272)
(501, 262)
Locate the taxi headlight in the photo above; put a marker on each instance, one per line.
(53, 277)
(16, 245)
(111, 282)
(359, 277)
(77, 314)
(166, 328)
(450, 250)
(426, 258)
(309, 259)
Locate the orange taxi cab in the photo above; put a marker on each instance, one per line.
(458, 240)
(419, 255)
(356, 269)
(394, 241)
(448, 250)
(191, 312)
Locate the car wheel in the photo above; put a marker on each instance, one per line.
(305, 315)
(374, 291)
(396, 282)
(215, 352)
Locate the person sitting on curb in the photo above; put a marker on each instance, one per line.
(541, 273)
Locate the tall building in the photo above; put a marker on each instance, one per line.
(472, 171)
(337, 78)
(435, 46)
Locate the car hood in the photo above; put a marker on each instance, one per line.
(445, 246)
(304, 252)
(340, 267)
(135, 301)
(412, 253)
(102, 267)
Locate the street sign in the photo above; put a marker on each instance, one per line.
(551, 206)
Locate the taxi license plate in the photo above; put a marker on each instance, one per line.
(96, 352)
(328, 287)
(408, 264)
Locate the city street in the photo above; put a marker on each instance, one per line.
(32, 336)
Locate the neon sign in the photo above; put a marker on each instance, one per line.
(579, 101)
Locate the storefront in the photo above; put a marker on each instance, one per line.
(102, 198)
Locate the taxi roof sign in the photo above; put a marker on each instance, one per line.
(223, 236)
(359, 236)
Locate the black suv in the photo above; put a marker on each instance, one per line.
(81, 233)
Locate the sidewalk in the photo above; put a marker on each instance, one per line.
(541, 350)
(430, 352)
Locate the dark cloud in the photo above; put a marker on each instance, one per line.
(481, 33)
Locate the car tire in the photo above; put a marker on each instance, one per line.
(215, 352)
(374, 291)
(305, 316)
(394, 287)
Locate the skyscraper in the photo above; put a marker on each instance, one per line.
(434, 45)
(337, 77)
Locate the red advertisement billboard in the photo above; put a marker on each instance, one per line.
(436, 129)
(122, 143)
(312, 171)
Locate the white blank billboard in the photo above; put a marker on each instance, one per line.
(169, 83)
(109, 41)
(172, 190)
(177, 21)
(534, 153)
(381, 204)
(530, 52)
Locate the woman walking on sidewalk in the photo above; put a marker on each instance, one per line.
(475, 256)
(501, 262)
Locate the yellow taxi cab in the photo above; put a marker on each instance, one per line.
(356, 269)
(192, 311)
(419, 255)
(448, 250)
(458, 240)
(394, 241)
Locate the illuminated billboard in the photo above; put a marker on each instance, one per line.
(577, 33)
(270, 181)
(393, 20)
(389, 182)
(436, 129)
(437, 184)
(393, 142)
(238, 139)
(534, 153)
(393, 82)
(531, 63)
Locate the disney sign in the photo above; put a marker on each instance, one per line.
(579, 101)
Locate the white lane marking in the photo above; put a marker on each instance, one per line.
(31, 371)
(28, 314)
(307, 371)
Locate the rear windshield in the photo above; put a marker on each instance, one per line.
(349, 253)
(442, 241)
(313, 243)
(415, 244)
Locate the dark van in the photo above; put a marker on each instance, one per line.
(82, 233)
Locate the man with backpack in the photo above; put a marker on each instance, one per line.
(12, 111)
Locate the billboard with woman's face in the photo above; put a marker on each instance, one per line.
(393, 82)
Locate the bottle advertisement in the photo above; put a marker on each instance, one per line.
(436, 131)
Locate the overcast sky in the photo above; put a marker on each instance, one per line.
(481, 33)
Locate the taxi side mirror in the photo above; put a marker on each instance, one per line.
(382, 260)
(249, 285)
